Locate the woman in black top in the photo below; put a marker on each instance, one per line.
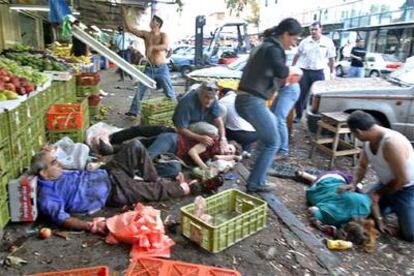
(265, 68)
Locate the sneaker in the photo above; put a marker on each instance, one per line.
(268, 187)
(130, 114)
(281, 156)
(296, 120)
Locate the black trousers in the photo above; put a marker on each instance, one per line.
(132, 160)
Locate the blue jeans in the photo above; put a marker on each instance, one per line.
(281, 107)
(164, 143)
(161, 75)
(402, 204)
(253, 109)
(308, 78)
(356, 72)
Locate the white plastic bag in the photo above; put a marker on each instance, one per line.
(72, 156)
(99, 131)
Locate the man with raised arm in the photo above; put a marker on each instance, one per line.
(156, 47)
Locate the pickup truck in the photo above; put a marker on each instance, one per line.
(389, 99)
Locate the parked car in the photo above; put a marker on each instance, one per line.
(375, 64)
(183, 60)
(230, 71)
(390, 99)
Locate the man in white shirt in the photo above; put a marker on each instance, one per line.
(237, 128)
(315, 53)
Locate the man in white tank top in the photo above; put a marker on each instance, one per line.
(391, 156)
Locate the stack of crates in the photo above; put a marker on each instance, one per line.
(68, 119)
(6, 167)
(88, 86)
(157, 111)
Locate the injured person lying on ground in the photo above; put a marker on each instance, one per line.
(340, 213)
(161, 140)
(125, 178)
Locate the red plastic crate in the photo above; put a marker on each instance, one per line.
(160, 267)
(64, 116)
(87, 79)
(89, 271)
(94, 100)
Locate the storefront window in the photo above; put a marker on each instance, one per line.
(372, 41)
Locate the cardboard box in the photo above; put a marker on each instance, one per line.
(23, 199)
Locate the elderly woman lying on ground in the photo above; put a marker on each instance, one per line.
(332, 207)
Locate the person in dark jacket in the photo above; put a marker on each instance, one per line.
(265, 72)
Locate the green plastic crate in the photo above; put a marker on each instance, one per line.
(77, 136)
(6, 159)
(94, 110)
(164, 119)
(4, 182)
(4, 212)
(84, 91)
(156, 106)
(236, 215)
(33, 106)
(4, 126)
(17, 118)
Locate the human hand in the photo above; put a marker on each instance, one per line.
(224, 146)
(375, 197)
(98, 226)
(206, 140)
(344, 188)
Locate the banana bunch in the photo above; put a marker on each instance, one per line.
(64, 52)
(81, 59)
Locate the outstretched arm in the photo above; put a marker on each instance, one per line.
(195, 152)
(129, 27)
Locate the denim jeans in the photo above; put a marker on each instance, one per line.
(402, 204)
(356, 72)
(286, 99)
(253, 109)
(308, 78)
(164, 143)
(161, 75)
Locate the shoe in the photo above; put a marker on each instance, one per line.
(105, 148)
(281, 156)
(296, 120)
(130, 114)
(269, 187)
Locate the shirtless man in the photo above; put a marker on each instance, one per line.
(156, 47)
(392, 158)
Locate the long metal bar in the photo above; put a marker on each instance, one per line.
(112, 56)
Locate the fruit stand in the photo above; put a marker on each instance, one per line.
(27, 92)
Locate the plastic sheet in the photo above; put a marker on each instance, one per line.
(143, 228)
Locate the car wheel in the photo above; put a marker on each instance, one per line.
(185, 70)
(339, 71)
(374, 74)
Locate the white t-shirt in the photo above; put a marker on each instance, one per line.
(233, 119)
(314, 55)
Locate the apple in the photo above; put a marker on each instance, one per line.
(6, 78)
(45, 233)
(10, 86)
(20, 90)
(29, 88)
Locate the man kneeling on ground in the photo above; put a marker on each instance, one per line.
(129, 177)
(392, 157)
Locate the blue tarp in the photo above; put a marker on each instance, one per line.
(58, 10)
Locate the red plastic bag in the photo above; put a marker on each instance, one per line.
(143, 228)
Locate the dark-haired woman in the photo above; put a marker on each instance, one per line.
(265, 72)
